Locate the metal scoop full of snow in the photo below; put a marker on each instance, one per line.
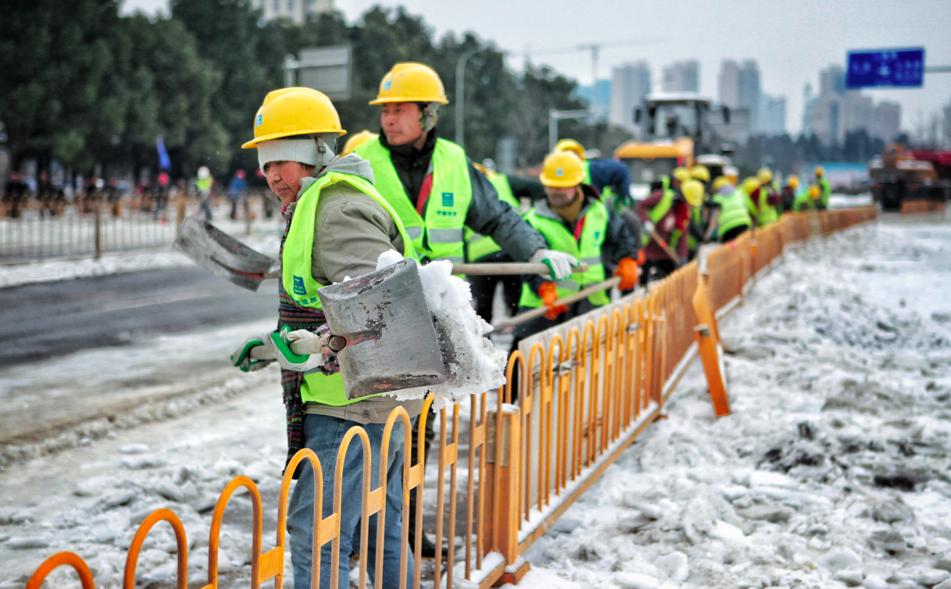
(391, 340)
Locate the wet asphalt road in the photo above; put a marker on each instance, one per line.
(41, 321)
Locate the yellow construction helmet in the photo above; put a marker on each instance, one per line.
(700, 173)
(693, 192)
(792, 181)
(720, 182)
(411, 82)
(765, 175)
(819, 171)
(572, 146)
(356, 140)
(294, 111)
(814, 192)
(681, 174)
(750, 185)
(562, 169)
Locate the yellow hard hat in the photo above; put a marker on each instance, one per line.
(765, 175)
(814, 192)
(411, 82)
(820, 171)
(572, 146)
(681, 173)
(294, 111)
(720, 182)
(700, 172)
(792, 181)
(750, 185)
(356, 140)
(693, 192)
(562, 169)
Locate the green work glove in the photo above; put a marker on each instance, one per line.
(242, 357)
(320, 357)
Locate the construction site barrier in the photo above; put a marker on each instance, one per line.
(587, 389)
(922, 206)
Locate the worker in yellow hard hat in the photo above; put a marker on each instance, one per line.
(825, 188)
(356, 140)
(730, 216)
(295, 135)
(809, 199)
(572, 219)
(436, 190)
(789, 192)
(609, 177)
(665, 215)
(760, 199)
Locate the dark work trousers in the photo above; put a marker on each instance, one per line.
(733, 233)
(537, 324)
(483, 288)
(655, 270)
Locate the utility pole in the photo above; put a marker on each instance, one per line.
(461, 94)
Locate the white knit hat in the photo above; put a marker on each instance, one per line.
(303, 150)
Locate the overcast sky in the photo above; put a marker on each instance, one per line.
(791, 40)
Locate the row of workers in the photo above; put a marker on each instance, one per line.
(409, 190)
(687, 209)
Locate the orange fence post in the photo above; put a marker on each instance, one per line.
(132, 558)
(709, 348)
(59, 559)
(504, 469)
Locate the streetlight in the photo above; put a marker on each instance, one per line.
(554, 116)
(461, 94)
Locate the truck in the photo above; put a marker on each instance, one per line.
(901, 177)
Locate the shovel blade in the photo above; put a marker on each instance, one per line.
(221, 254)
(391, 341)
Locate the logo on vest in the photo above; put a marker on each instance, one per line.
(299, 288)
(447, 199)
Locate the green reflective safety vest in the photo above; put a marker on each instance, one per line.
(733, 212)
(438, 233)
(803, 202)
(826, 189)
(587, 250)
(696, 217)
(586, 165)
(764, 213)
(204, 184)
(478, 245)
(298, 280)
(657, 213)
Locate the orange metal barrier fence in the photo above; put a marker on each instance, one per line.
(587, 390)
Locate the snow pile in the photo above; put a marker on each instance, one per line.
(474, 364)
(832, 470)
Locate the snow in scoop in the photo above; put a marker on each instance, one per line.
(474, 364)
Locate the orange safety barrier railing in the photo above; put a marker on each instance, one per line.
(587, 390)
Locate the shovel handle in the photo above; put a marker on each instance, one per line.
(505, 269)
(568, 300)
(299, 347)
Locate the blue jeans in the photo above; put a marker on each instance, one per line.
(323, 435)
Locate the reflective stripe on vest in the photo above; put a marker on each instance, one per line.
(477, 245)
(297, 273)
(438, 233)
(559, 238)
(733, 212)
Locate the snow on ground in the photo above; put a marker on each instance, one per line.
(832, 471)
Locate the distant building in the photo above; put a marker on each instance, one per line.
(599, 98)
(630, 83)
(772, 115)
(295, 10)
(835, 112)
(682, 76)
(740, 88)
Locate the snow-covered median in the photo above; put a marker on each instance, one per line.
(833, 470)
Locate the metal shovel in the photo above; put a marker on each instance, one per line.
(228, 257)
(391, 342)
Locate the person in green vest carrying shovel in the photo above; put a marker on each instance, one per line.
(483, 249)
(731, 216)
(760, 201)
(573, 219)
(666, 214)
(825, 189)
(437, 192)
(336, 225)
